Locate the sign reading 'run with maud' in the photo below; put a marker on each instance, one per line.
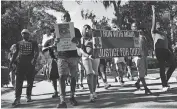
(107, 43)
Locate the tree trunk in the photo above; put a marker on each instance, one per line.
(20, 23)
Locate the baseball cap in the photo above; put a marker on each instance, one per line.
(25, 31)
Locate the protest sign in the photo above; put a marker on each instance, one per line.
(65, 33)
(108, 43)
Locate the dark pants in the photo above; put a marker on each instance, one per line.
(165, 56)
(102, 72)
(27, 71)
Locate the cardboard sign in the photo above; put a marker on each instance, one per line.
(65, 32)
(108, 43)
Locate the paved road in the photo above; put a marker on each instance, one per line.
(116, 96)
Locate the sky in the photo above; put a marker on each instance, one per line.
(75, 12)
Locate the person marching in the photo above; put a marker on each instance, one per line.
(81, 74)
(140, 60)
(120, 65)
(50, 69)
(90, 64)
(128, 60)
(27, 52)
(13, 71)
(103, 74)
(163, 51)
(67, 62)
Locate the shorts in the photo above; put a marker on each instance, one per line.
(68, 66)
(91, 65)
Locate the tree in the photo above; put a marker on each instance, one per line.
(96, 24)
(119, 18)
(141, 12)
(16, 15)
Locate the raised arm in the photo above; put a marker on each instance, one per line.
(153, 20)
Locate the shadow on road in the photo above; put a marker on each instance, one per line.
(111, 98)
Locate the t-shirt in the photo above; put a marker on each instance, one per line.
(128, 60)
(26, 50)
(73, 53)
(119, 59)
(160, 40)
(46, 38)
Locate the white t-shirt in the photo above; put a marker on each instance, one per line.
(119, 59)
(45, 38)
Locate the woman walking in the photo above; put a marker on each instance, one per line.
(50, 69)
(90, 64)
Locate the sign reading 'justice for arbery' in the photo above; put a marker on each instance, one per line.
(107, 43)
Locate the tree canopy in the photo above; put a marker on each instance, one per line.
(17, 15)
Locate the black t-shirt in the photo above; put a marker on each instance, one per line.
(73, 53)
(26, 50)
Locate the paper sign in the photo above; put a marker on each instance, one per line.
(65, 32)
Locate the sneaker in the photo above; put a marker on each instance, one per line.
(131, 79)
(81, 86)
(16, 102)
(116, 80)
(164, 89)
(73, 101)
(95, 95)
(55, 95)
(28, 99)
(77, 86)
(107, 86)
(62, 105)
(122, 82)
(147, 91)
(168, 85)
(137, 85)
(92, 98)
